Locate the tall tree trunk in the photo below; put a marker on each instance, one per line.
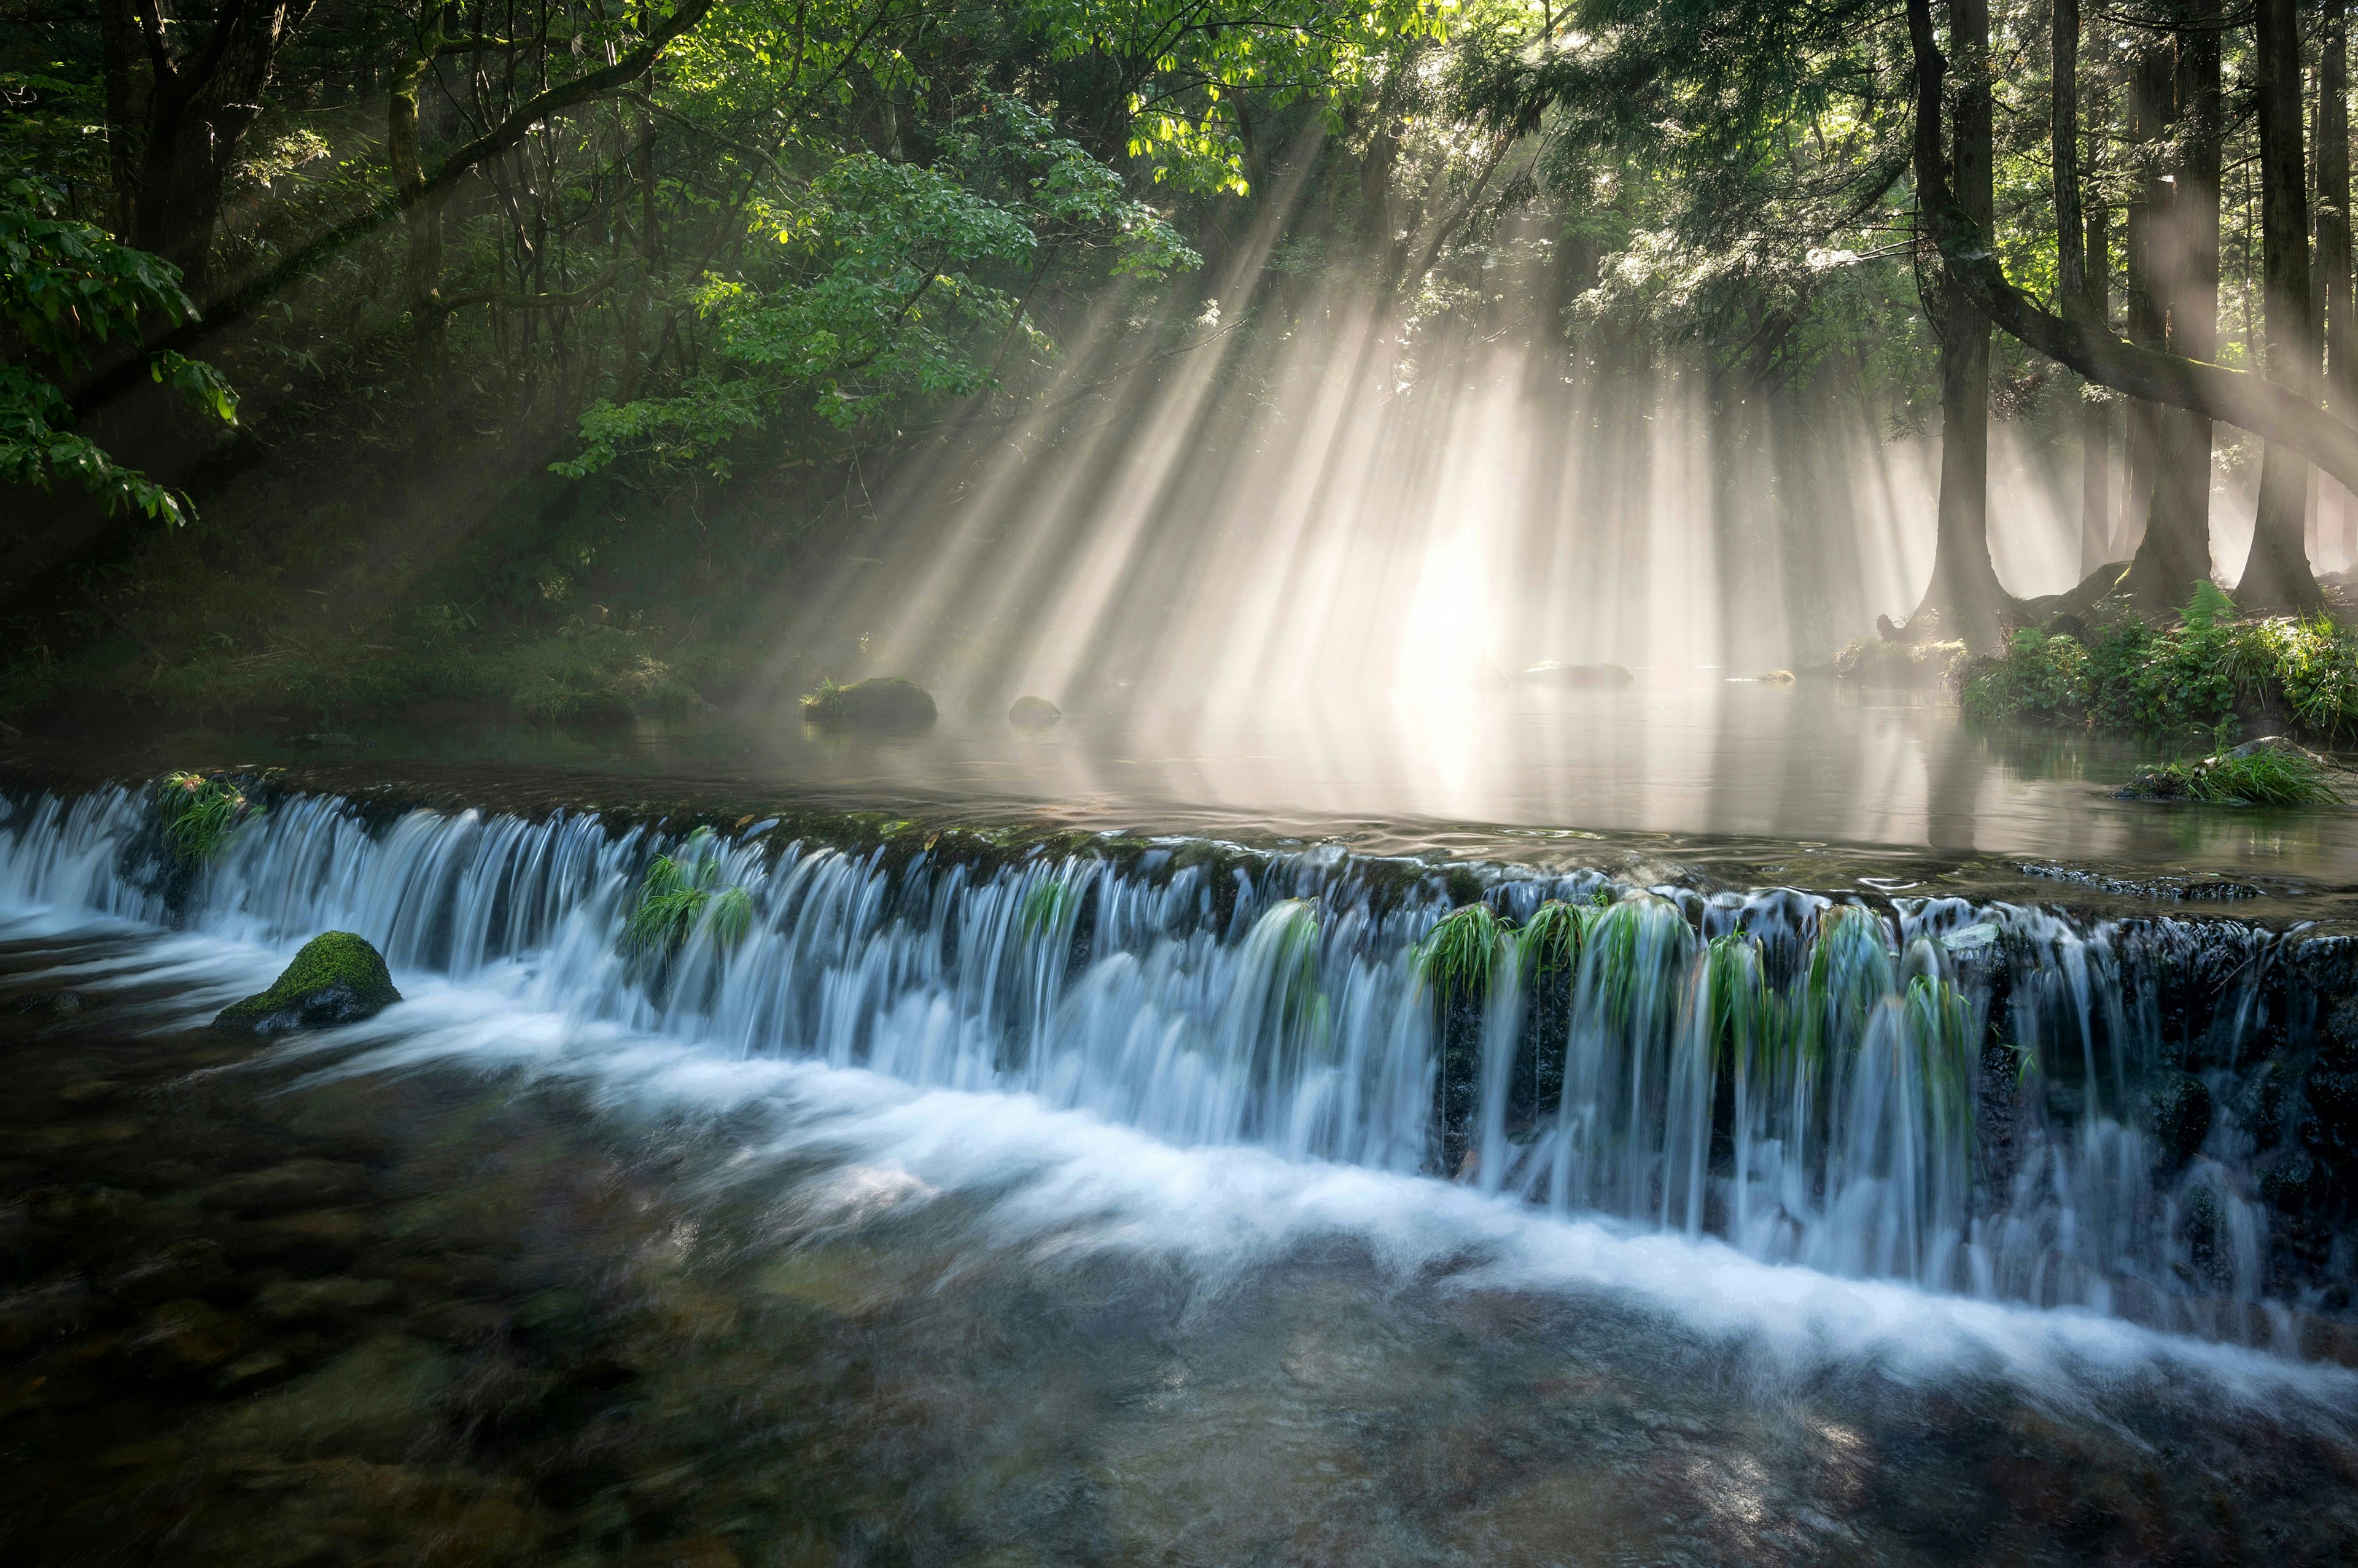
(2074, 286)
(2097, 536)
(1964, 589)
(204, 94)
(2334, 236)
(2176, 552)
(124, 69)
(2148, 106)
(2276, 574)
(422, 219)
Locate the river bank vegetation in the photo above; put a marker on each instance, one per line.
(578, 358)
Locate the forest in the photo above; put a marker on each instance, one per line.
(580, 357)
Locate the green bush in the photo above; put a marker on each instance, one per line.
(2038, 677)
(2270, 776)
(199, 813)
(2195, 677)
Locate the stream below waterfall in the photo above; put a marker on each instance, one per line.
(1029, 1196)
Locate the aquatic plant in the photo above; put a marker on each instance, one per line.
(2266, 776)
(1549, 942)
(1046, 905)
(677, 894)
(200, 813)
(1458, 956)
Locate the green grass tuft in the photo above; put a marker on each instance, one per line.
(675, 897)
(1458, 956)
(199, 813)
(2270, 776)
(1550, 942)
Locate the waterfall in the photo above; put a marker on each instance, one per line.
(1956, 1096)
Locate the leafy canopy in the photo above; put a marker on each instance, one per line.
(66, 291)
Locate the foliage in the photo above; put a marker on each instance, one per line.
(1458, 956)
(2039, 677)
(2208, 607)
(1181, 67)
(884, 284)
(681, 891)
(2172, 682)
(2267, 775)
(1550, 940)
(199, 813)
(1047, 906)
(68, 293)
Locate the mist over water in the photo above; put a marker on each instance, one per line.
(1351, 504)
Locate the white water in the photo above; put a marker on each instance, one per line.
(1242, 1076)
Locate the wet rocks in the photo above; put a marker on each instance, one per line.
(296, 1183)
(51, 1005)
(2179, 1114)
(294, 1301)
(374, 1401)
(886, 702)
(1033, 713)
(336, 979)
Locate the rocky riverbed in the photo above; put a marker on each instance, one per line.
(340, 1299)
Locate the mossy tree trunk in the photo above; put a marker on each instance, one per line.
(2276, 574)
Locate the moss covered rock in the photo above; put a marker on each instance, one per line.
(887, 702)
(1033, 713)
(336, 979)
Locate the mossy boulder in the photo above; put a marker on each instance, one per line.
(887, 702)
(336, 979)
(1033, 713)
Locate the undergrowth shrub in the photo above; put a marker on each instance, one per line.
(2197, 677)
(2270, 776)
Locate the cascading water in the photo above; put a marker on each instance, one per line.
(1983, 1099)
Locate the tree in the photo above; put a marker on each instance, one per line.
(181, 122)
(2183, 268)
(2238, 398)
(1964, 592)
(66, 291)
(2276, 574)
(2334, 264)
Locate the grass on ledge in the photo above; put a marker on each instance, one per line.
(2270, 776)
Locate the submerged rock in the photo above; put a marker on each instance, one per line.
(1033, 713)
(1547, 672)
(886, 702)
(336, 979)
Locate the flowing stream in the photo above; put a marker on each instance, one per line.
(1991, 1102)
